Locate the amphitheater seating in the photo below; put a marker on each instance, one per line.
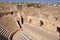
(8, 26)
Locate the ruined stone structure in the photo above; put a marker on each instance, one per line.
(39, 21)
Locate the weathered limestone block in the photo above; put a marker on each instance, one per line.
(32, 20)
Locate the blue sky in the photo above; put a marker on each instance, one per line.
(43, 1)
